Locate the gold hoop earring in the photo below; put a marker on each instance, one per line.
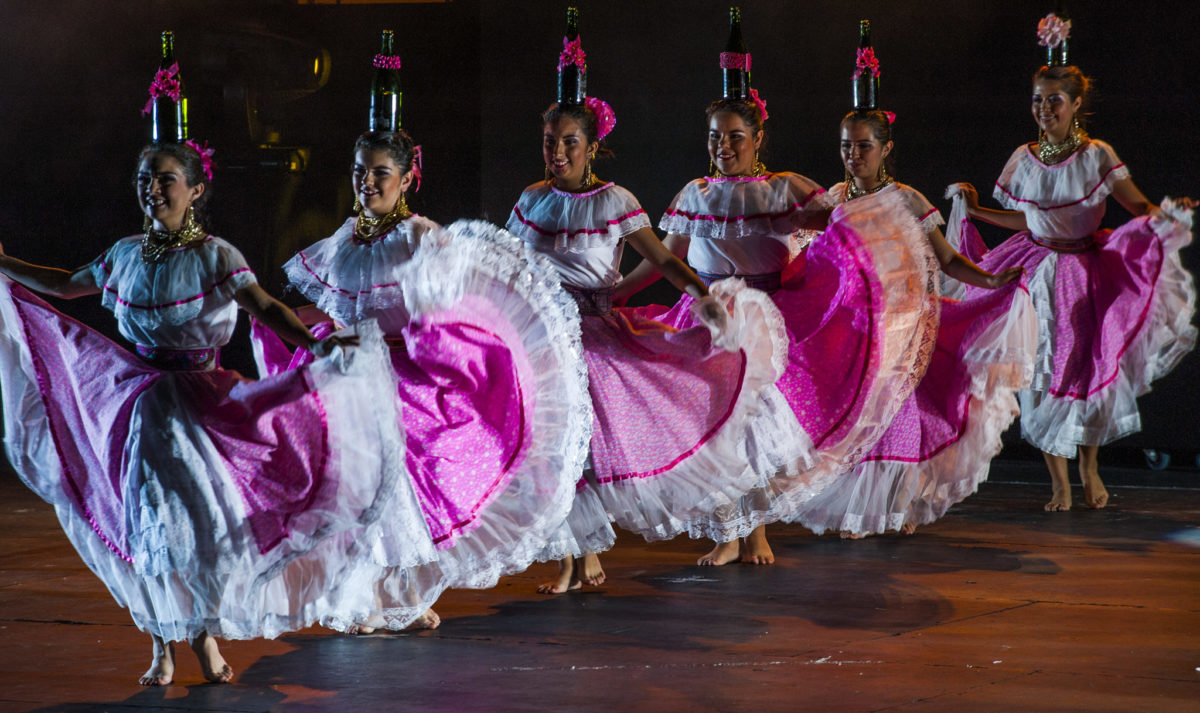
(587, 175)
(189, 220)
(759, 168)
(712, 169)
(357, 206)
(146, 223)
(547, 173)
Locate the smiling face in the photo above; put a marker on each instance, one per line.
(163, 191)
(1053, 108)
(378, 181)
(732, 144)
(862, 153)
(565, 149)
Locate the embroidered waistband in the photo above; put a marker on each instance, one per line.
(205, 359)
(1065, 246)
(592, 303)
(767, 282)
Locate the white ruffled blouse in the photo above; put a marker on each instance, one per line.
(741, 224)
(582, 234)
(1064, 201)
(351, 280)
(184, 301)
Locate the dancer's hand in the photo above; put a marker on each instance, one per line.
(1004, 277)
(325, 347)
(969, 194)
(712, 314)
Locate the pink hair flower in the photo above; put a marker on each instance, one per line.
(572, 54)
(1052, 30)
(762, 105)
(606, 119)
(165, 84)
(866, 62)
(386, 61)
(206, 156)
(891, 117)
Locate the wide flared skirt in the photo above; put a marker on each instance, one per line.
(204, 502)
(1111, 320)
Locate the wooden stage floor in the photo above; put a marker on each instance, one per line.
(998, 607)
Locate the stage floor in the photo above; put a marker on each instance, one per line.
(998, 607)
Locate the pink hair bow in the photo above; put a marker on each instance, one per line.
(416, 167)
(762, 105)
(206, 157)
(1052, 30)
(606, 118)
(865, 61)
(572, 53)
(891, 116)
(164, 84)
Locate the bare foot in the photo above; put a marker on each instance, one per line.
(851, 535)
(1060, 501)
(758, 551)
(428, 620)
(723, 553)
(1094, 492)
(1060, 484)
(162, 665)
(566, 581)
(360, 630)
(589, 571)
(908, 528)
(212, 664)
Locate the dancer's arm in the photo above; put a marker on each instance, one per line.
(1010, 219)
(51, 281)
(284, 322)
(803, 191)
(955, 265)
(310, 315)
(647, 273)
(678, 273)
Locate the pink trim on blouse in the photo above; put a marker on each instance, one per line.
(334, 288)
(582, 231)
(1039, 206)
(200, 296)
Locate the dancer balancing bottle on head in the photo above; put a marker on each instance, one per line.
(1114, 308)
(939, 446)
(485, 349)
(672, 408)
(857, 306)
(210, 506)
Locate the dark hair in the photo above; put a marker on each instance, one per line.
(193, 170)
(1074, 81)
(398, 145)
(586, 119)
(881, 128)
(745, 109)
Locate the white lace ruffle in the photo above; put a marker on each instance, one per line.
(346, 277)
(732, 208)
(1059, 425)
(551, 219)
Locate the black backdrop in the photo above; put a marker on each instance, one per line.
(477, 74)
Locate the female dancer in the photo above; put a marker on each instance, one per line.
(209, 506)
(673, 411)
(939, 446)
(1114, 308)
(857, 304)
(484, 344)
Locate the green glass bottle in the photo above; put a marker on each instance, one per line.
(572, 79)
(386, 96)
(169, 120)
(736, 80)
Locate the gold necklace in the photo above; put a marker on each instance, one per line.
(368, 229)
(852, 190)
(157, 243)
(1051, 154)
(758, 170)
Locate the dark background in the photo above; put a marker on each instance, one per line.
(274, 83)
